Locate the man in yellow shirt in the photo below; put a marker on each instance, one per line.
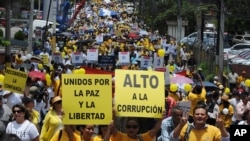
(198, 93)
(199, 130)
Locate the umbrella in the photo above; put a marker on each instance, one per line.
(208, 85)
(180, 79)
(133, 35)
(143, 32)
(67, 34)
(37, 74)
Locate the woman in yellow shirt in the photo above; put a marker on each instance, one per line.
(69, 133)
(226, 111)
(53, 120)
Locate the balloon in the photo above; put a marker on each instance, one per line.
(24, 58)
(247, 82)
(187, 87)
(28, 56)
(171, 68)
(225, 111)
(227, 91)
(63, 54)
(173, 87)
(1, 78)
(40, 66)
(81, 71)
(75, 71)
(161, 52)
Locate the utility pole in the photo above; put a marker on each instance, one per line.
(220, 43)
(7, 34)
(30, 36)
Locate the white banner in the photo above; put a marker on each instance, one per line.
(146, 62)
(124, 58)
(56, 57)
(92, 55)
(158, 61)
(77, 58)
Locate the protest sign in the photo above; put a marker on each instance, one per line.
(87, 98)
(139, 93)
(14, 80)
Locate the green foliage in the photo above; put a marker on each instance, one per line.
(1, 33)
(19, 35)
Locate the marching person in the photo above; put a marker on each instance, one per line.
(199, 130)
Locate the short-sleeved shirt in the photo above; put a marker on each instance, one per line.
(26, 131)
(124, 137)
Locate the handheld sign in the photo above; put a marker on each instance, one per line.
(124, 58)
(92, 55)
(139, 93)
(45, 59)
(105, 61)
(158, 61)
(87, 98)
(185, 106)
(14, 80)
(77, 58)
(56, 57)
(146, 62)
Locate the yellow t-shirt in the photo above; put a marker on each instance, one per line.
(227, 118)
(194, 98)
(64, 136)
(209, 133)
(35, 117)
(124, 137)
(98, 138)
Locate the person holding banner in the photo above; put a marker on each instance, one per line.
(168, 124)
(69, 133)
(53, 120)
(132, 126)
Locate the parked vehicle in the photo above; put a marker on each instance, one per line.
(237, 47)
(241, 39)
(208, 38)
(240, 58)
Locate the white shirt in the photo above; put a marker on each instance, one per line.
(26, 131)
(13, 99)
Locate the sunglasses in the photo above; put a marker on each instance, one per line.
(131, 126)
(17, 111)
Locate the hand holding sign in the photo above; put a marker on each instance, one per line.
(184, 119)
(219, 122)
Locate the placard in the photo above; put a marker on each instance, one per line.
(56, 57)
(158, 61)
(77, 58)
(105, 61)
(14, 80)
(87, 98)
(139, 93)
(124, 58)
(146, 62)
(92, 55)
